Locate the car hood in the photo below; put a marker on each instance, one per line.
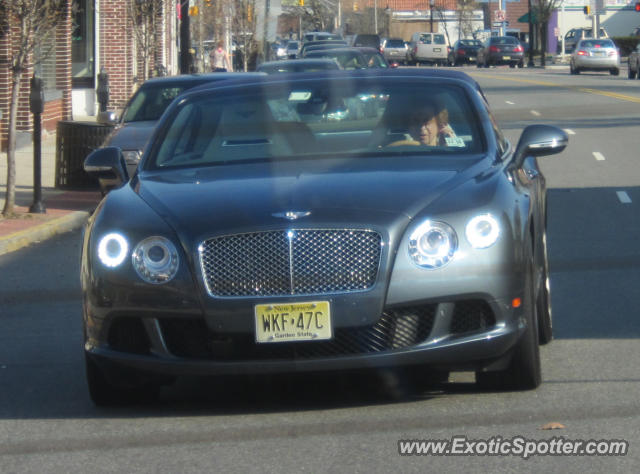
(241, 198)
(131, 135)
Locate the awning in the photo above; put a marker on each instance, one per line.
(525, 18)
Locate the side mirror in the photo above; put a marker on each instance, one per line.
(107, 165)
(539, 140)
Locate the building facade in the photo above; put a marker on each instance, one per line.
(96, 36)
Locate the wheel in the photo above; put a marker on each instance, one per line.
(486, 64)
(543, 299)
(614, 71)
(512, 66)
(104, 393)
(523, 372)
(632, 73)
(521, 64)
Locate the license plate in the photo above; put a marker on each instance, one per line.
(506, 58)
(436, 50)
(287, 322)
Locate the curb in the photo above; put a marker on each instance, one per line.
(23, 238)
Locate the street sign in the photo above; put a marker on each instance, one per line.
(500, 15)
(498, 24)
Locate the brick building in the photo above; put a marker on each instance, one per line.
(96, 35)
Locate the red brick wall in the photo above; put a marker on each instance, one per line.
(63, 68)
(116, 50)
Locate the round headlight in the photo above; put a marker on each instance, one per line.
(482, 231)
(112, 250)
(432, 244)
(155, 260)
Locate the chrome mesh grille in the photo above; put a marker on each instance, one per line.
(291, 262)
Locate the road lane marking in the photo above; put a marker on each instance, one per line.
(536, 113)
(624, 197)
(610, 94)
(613, 95)
(509, 102)
(598, 156)
(568, 131)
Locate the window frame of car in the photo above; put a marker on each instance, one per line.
(473, 107)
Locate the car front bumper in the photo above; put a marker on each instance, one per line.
(468, 334)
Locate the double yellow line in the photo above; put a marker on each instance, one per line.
(613, 95)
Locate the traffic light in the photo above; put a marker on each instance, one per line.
(586, 9)
(637, 6)
(301, 3)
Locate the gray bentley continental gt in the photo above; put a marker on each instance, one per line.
(320, 222)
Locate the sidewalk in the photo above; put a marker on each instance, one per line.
(65, 209)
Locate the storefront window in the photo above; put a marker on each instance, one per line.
(82, 43)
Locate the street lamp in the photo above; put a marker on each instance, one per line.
(431, 5)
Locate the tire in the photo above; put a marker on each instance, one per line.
(521, 64)
(104, 393)
(523, 372)
(543, 299)
(615, 71)
(512, 65)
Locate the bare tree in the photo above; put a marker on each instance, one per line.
(146, 19)
(465, 18)
(543, 9)
(244, 30)
(30, 24)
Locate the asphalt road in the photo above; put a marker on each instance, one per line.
(353, 423)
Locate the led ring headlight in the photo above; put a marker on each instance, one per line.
(432, 244)
(482, 231)
(155, 260)
(112, 249)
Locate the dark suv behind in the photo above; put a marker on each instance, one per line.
(368, 40)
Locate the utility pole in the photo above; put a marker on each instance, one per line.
(185, 38)
(431, 5)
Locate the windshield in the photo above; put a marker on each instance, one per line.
(315, 119)
(597, 44)
(149, 103)
(346, 59)
(394, 44)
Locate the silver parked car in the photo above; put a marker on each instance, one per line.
(395, 50)
(595, 55)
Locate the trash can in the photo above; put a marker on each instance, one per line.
(74, 142)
